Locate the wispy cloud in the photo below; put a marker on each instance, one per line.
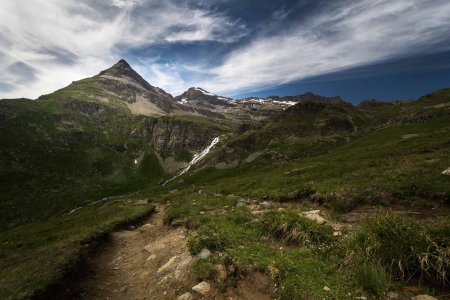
(46, 44)
(62, 41)
(346, 35)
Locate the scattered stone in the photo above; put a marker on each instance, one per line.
(423, 297)
(392, 295)
(266, 205)
(327, 289)
(123, 289)
(151, 257)
(409, 136)
(200, 192)
(144, 275)
(314, 216)
(202, 212)
(361, 298)
(280, 209)
(185, 296)
(446, 172)
(240, 204)
(337, 233)
(131, 227)
(205, 253)
(202, 288)
(221, 272)
(115, 268)
(167, 264)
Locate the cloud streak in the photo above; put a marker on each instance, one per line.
(347, 35)
(46, 44)
(62, 41)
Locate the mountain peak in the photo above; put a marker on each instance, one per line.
(121, 68)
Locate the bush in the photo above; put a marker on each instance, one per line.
(373, 278)
(292, 228)
(404, 247)
(203, 270)
(209, 237)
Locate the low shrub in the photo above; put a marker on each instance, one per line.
(292, 228)
(203, 270)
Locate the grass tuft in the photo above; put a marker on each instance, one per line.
(405, 247)
(292, 228)
(373, 278)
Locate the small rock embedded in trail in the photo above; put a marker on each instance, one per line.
(202, 288)
(186, 296)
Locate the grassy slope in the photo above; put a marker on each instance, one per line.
(380, 161)
(394, 163)
(73, 146)
(408, 169)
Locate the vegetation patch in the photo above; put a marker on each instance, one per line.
(290, 227)
(405, 248)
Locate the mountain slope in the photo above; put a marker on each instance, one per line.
(84, 142)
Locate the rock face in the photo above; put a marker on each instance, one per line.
(123, 81)
(170, 136)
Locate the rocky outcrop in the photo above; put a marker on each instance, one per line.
(170, 136)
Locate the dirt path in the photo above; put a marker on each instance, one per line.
(152, 262)
(149, 262)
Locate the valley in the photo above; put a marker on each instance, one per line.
(295, 197)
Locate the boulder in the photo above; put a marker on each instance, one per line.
(240, 204)
(423, 297)
(392, 295)
(266, 205)
(205, 253)
(446, 172)
(202, 288)
(314, 216)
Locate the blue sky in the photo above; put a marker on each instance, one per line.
(358, 49)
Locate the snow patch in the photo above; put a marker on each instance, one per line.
(203, 91)
(184, 101)
(196, 159)
(290, 103)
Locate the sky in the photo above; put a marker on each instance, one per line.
(358, 49)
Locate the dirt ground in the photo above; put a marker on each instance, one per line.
(152, 262)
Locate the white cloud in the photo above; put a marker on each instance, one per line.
(68, 40)
(345, 36)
